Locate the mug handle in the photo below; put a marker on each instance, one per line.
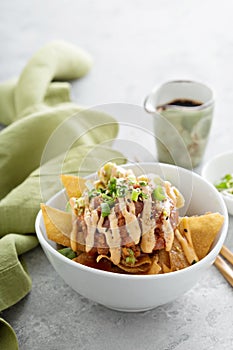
(148, 110)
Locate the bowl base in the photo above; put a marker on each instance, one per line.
(130, 310)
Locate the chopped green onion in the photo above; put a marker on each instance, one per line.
(121, 191)
(112, 185)
(144, 195)
(106, 197)
(134, 195)
(158, 193)
(105, 209)
(221, 186)
(93, 193)
(226, 183)
(130, 260)
(68, 252)
(142, 183)
(109, 200)
(227, 177)
(130, 251)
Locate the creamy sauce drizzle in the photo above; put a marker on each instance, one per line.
(148, 241)
(131, 222)
(148, 223)
(145, 232)
(113, 237)
(168, 234)
(91, 219)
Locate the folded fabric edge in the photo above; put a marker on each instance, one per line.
(57, 60)
(14, 276)
(8, 338)
(15, 281)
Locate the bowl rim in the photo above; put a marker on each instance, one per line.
(208, 258)
(213, 160)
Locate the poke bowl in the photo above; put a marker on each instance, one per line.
(139, 292)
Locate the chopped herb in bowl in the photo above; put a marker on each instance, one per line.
(225, 185)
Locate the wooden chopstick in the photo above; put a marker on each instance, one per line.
(227, 254)
(223, 267)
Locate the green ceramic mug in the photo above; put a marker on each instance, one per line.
(183, 112)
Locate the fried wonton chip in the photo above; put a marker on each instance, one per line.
(155, 268)
(74, 185)
(164, 260)
(187, 244)
(58, 225)
(90, 260)
(142, 265)
(178, 259)
(203, 231)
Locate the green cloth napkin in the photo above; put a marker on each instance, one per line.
(8, 339)
(46, 135)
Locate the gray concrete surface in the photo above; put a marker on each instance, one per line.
(135, 45)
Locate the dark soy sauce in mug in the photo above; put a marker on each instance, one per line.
(180, 102)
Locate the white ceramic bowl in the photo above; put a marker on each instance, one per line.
(135, 292)
(218, 167)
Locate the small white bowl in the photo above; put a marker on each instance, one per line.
(215, 169)
(141, 292)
